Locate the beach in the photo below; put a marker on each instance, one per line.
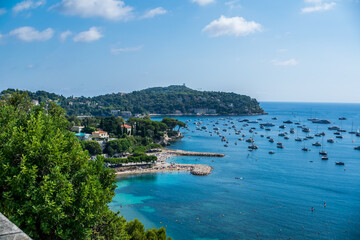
(162, 165)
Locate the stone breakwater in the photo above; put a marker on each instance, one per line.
(190, 153)
(163, 166)
(201, 170)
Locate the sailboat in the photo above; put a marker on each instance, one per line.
(352, 128)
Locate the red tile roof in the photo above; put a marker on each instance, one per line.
(126, 126)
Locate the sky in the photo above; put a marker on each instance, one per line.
(278, 50)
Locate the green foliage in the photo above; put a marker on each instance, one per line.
(171, 123)
(117, 146)
(47, 185)
(137, 231)
(92, 147)
(112, 125)
(161, 100)
(148, 128)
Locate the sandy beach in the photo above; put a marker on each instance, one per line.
(163, 166)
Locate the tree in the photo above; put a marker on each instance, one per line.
(47, 185)
(92, 147)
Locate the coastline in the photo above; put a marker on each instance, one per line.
(163, 166)
(211, 115)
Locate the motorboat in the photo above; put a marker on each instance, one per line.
(317, 144)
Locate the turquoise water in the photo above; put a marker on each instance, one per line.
(275, 193)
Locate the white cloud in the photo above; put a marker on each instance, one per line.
(313, 1)
(117, 51)
(290, 62)
(153, 12)
(317, 6)
(235, 26)
(30, 34)
(109, 9)
(233, 4)
(203, 2)
(65, 35)
(2, 11)
(28, 4)
(91, 35)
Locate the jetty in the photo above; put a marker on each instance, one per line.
(190, 153)
(162, 165)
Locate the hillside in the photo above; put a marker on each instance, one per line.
(174, 99)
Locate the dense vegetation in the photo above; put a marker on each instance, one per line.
(160, 100)
(48, 187)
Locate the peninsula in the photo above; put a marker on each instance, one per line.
(171, 100)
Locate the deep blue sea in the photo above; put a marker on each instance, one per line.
(273, 197)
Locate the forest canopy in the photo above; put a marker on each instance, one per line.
(159, 100)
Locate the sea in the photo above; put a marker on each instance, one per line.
(291, 194)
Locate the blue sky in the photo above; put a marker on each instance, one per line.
(279, 50)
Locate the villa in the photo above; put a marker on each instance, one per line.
(100, 134)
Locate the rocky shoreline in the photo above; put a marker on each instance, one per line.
(163, 166)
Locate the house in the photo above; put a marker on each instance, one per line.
(126, 128)
(77, 128)
(35, 102)
(100, 134)
(126, 114)
(115, 112)
(83, 136)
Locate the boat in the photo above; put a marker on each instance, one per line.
(341, 130)
(282, 126)
(324, 121)
(254, 121)
(305, 149)
(339, 163)
(286, 137)
(271, 152)
(280, 146)
(292, 130)
(267, 124)
(324, 158)
(305, 129)
(342, 118)
(312, 119)
(281, 134)
(250, 140)
(339, 136)
(310, 137)
(317, 144)
(253, 146)
(298, 139)
(330, 140)
(271, 140)
(337, 133)
(226, 145)
(357, 148)
(274, 118)
(322, 152)
(320, 134)
(288, 122)
(336, 128)
(268, 129)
